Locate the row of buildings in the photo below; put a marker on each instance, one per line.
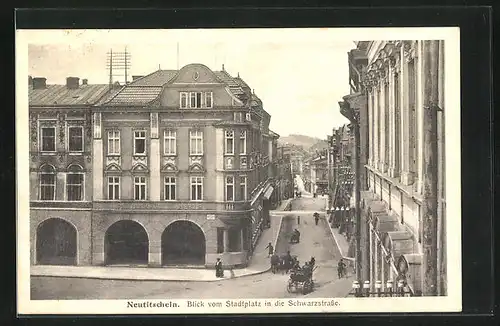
(396, 107)
(178, 167)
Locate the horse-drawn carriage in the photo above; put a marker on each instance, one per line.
(282, 263)
(295, 237)
(301, 280)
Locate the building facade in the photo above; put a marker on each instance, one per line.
(181, 167)
(399, 97)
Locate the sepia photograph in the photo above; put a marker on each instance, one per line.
(238, 171)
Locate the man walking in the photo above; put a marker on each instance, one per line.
(271, 249)
(341, 268)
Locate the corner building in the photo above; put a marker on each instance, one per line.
(182, 172)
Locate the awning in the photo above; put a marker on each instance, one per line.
(268, 193)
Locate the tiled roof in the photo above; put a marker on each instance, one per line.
(62, 95)
(157, 78)
(145, 89)
(231, 82)
(135, 95)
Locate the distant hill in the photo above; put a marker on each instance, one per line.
(309, 144)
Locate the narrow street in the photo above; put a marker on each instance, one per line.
(316, 241)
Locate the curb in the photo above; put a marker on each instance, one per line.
(338, 246)
(168, 280)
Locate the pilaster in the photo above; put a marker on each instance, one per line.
(97, 153)
(155, 181)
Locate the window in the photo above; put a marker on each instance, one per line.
(140, 188)
(229, 142)
(195, 100)
(243, 188)
(48, 139)
(169, 188)
(47, 183)
(196, 188)
(140, 142)
(183, 100)
(196, 142)
(230, 188)
(169, 143)
(209, 99)
(75, 143)
(243, 142)
(113, 188)
(114, 142)
(74, 183)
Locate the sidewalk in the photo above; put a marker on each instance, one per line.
(342, 244)
(259, 263)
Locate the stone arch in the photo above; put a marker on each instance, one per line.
(56, 242)
(126, 242)
(183, 242)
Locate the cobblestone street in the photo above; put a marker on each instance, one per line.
(315, 241)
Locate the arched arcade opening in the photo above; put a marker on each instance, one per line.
(126, 243)
(183, 243)
(56, 242)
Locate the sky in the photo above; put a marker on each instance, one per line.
(300, 75)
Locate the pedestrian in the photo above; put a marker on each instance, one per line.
(341, 268)
(218, 268)
(316, 218)
(298, 219)
(271, 249)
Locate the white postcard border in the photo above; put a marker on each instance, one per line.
(450, 303)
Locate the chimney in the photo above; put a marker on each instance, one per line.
(30, 81)
(85, 81)
(39, 83)
(136, 77)
(223, 67)
(72, 82)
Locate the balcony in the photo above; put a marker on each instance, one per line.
(170, 206)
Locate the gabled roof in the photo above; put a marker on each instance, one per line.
(61, 95)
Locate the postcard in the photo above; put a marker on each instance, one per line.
(217, 171)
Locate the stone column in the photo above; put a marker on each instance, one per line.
(155, 181)
(97, 163)
(406, 176)
(420, 118)
(375, 125)
(370, 127)
(392, 147)
(383, 127)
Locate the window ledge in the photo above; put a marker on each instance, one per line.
(407, 190)
(75, 153)
(48, 153)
